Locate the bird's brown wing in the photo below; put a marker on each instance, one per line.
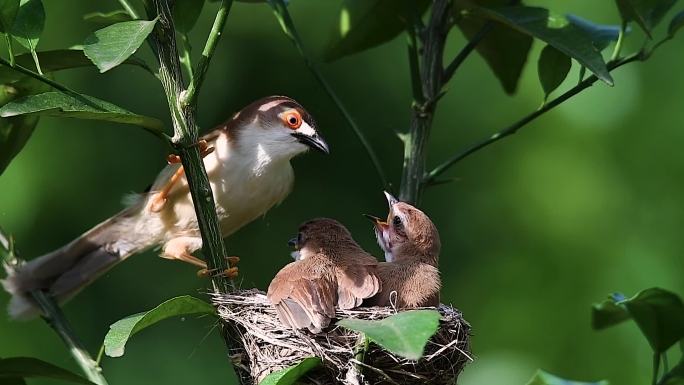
(304, 295)
(356, 280)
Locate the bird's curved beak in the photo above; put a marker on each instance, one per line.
(391, 200)
(314, 141)
(378, 222)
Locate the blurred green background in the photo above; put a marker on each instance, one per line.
(583, 202)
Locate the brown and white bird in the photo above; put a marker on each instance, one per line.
(248, 162)
(410, 277)
(330, 271)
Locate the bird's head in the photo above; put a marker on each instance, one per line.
(277, 127)
(407, 233)
(321, 235)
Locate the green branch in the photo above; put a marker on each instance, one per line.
(54, 317)
(512, 129)
(286, 23)
(190, 96)
(46, 80)
(467, 50)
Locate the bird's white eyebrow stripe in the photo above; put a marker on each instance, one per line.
(271, 104)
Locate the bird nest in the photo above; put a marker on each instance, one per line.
(262, 344)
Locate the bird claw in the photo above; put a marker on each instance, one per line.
(204, 148)
(230, 273)
(157, 202)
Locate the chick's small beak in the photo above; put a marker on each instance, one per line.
(377, 221)
(391, 200)
(314, 141)
(292, 243)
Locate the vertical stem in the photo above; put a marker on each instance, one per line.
(430, 76)
(185, 57)
(10, 49)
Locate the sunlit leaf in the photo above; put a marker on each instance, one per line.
(545, 378)
(28, 367)
(363, 24)
(289, 376)
(555, 30)
(404, 334)
(553, 68)
(16, 131)
(602, 35)
(29, 25)
(608, 313)
(660, 316)
(647, 13)
(185, 14)
(676, 23)
(8, 12)
(59, 104)
(121, 331)
(110, 46)
(107, 18)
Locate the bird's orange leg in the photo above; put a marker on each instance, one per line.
(159, 199)
(177, 249)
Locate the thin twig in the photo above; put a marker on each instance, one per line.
(286, 23)
(54, 317)
(129, 8)
(467, 50)
(512, 129)
(190, 96)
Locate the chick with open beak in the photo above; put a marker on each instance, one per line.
(409, 277)
(330, 271)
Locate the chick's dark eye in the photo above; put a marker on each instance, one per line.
(396, 221)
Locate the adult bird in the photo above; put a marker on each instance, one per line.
(409, 275)
(247, 159)
(331, 271)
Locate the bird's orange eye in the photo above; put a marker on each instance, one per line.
(293, 119)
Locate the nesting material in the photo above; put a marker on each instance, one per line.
(263, 344)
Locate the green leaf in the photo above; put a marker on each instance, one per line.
(26, 367)
(82, 107)
(16, 131)
(647, 13)
(505, 50)
(546, 378)
(602, 35)
(107, 18)
(405, 333)
(8, 12)
(110, 46)
(608, 313)
(675, 376)
(29, 25)
(660, 316)
(676, 23)
(553, 68)
(185, 14)
(367, 23)
(289, 376)
(554, 30)
(121, 331)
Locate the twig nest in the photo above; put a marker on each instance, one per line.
(263, 344)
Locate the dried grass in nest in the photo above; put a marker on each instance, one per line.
(262, 344)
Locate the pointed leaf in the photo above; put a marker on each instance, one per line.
(16, 131)
(660, 316)
(367, 23)
(289, 376)
(185, 14)
(8, 12)
(405, 333)
(545, 378)
(111, 46)
(647, 13)
(607, 314)
(555, 30)
(107, 18)
(676, 23)
(83, 107)
(121, 331)
(26, 367)
(29, 24)
(602, 35)
(553, 68)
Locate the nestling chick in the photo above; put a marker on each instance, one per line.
(330, 271)
(411, 244)
(248, 162)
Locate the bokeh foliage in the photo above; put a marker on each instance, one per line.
(584, 202)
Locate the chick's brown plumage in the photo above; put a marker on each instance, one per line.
(331, 271)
